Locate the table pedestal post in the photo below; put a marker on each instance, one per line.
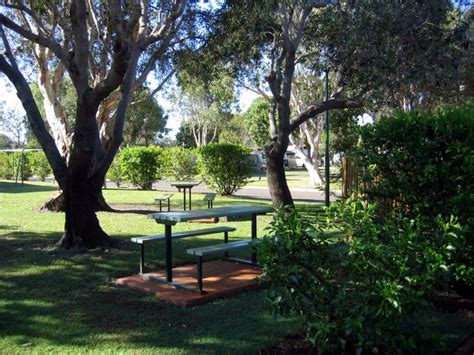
(254, 236)
(169, 254)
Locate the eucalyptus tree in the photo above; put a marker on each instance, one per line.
(204, 100)
(105, 49)
(387, 53)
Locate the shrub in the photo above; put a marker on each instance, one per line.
(224, 167)
(40, 165)
(140, 165)
(424, 164)
(366, 288)
(179, 164)
(21, 163)
(6, 168)
(115, 173)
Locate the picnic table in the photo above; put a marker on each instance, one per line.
(169, 219)
(185, 185)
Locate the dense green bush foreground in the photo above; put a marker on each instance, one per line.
(369, 286)
(423, 165)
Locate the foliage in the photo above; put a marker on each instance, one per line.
(366, 288)
(256, 121)
(141, 165)
(184, 137)
(5, 141)
(343, 125)
(145, 119)
(6, 169)
(179, 164)
(115, 173)
(40, 165)
(14, 163)
(235, 132)
(395, 44)
(424, 163)
(224, 167)
(205, 101)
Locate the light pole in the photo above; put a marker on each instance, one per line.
(326, 162)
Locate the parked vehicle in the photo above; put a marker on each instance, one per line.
(259, 161)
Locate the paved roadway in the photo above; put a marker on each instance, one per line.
(260, 192)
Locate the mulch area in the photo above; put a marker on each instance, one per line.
(220, 278)
(296, 344)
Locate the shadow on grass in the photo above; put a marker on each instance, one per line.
(11, 187)
(64, 299)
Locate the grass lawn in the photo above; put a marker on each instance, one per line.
(62, 301)
(65, 302)
(299, 178)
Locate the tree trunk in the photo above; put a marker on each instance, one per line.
(82, 228)
(56, 203)
(276, 177)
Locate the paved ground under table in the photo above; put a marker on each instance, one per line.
(220, 277)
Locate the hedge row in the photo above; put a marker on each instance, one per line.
(224, 167)
(31, 163)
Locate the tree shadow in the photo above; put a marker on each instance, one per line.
(12, 187)
(67, 298)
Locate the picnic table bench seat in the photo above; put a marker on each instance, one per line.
(178, 235)
(162, 198)
(209, 198)
(215, 249)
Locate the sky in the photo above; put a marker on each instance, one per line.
(12, 102)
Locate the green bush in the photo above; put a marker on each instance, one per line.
(21, 164)
(224, 167)
(141, 165)
(424, 164)
(40, 165)
(366, 287)
(115, 173)
(6, 168)
(179, 164)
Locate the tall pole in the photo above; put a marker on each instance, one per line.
(326, 162)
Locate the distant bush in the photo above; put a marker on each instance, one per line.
(423, 164)
(141, 165)
(179, 164)
(40, 165)
(224, 167)
(364, 290)
(21, 164)
(115, 173)
(6, 168)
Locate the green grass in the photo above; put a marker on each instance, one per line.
(61, 301)
(65, 302)
(298, 178)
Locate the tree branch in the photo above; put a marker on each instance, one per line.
(315, 110)
(43, 41)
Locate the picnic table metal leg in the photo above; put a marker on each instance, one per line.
(142, 258)
(189, 188)
(226, 240)
(160, 205)
(199, 267)
(254, 236)
(169, 254)
(184, 197)
(169, 209)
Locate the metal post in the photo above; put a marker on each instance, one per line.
(184, 197)
(326, 165)
(200, 274)
(190, 198)
(254, 236)
(169, 254)
(142, 258)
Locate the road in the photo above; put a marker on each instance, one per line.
(260, 192)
